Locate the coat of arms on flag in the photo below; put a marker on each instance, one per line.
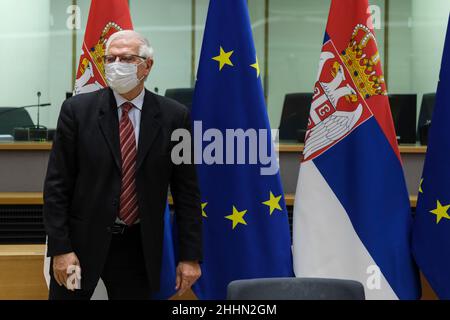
(90, 76)
(345, 80)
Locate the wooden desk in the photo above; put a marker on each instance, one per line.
(21, 272)
(21, 198)
(404, 149)
(290, 199)
(26, 145)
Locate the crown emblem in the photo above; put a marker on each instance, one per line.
(98, 50)
(362, 59)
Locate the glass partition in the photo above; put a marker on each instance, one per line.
(40, 50)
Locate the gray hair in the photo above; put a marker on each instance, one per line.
(145, 49)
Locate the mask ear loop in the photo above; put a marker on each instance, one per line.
(136, 70)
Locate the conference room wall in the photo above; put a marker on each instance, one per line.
(37, 54)
(59, 60)
(428, 35)
(39, 51)
(24, 54)
(398, 66)
(167, 24)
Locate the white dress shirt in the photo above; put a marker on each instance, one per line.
(135, 116)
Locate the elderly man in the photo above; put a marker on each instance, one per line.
(107, 181)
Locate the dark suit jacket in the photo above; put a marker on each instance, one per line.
(82, 186)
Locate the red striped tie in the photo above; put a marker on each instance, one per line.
(128, 211)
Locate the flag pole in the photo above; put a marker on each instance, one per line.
(193, 57)
(266, 51)
(74, 52)
(386, 42)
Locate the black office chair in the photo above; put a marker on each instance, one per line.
(182, 95)
(404, 111)
(11, 118)
(294, 117)
(425, 115)
(295, 289)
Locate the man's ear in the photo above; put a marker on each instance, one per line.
(149, 62)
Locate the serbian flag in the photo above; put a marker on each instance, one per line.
(352, 215)
(105, 18)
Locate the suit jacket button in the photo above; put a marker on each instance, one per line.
(115, 202)
(108, 229)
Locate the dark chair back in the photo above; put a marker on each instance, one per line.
(404, 111)
(11, 118)
(181, 95)
(295, 289)
(294, 117)
(425, 115)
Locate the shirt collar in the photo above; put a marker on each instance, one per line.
(137, 102)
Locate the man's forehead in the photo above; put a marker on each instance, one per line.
(125, 44)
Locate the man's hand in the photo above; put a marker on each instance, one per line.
(187, 273)
(60, 265)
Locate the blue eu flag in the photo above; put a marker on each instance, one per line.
(431, 230)
(168, 263)
(246, 229)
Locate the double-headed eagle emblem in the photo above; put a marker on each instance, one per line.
(345, 80)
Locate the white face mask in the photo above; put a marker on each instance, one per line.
(121, 76)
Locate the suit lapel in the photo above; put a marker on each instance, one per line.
(150, 126)
(109, 124)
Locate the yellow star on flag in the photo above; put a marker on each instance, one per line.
(256, 66)
(420, 186)
(273, 203)
(237, 217)
(204, 204)
(441, 212)
(224, 58)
